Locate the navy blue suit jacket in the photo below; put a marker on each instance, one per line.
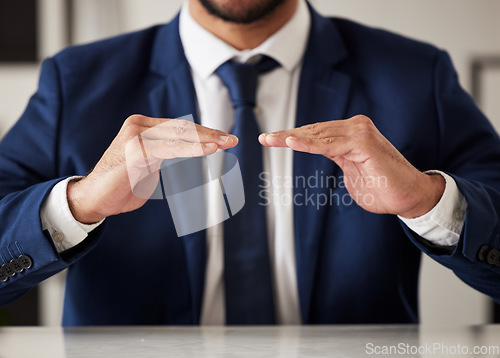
(352, 266)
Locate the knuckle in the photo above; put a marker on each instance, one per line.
(365, 128)
(362, 119)
(131, 130)
(171, 142)
(208, 132)
(366, 137)
(314, 129)
(135, 119)
(328, 140)
(180, 130)
(182, 123)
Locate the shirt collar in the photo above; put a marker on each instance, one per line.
(205, 52)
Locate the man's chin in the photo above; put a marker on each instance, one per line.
(241, 11)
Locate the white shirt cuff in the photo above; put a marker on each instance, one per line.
(64, 229)
(444, 223)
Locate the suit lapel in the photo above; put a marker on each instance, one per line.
(174, 96)
(323, 95)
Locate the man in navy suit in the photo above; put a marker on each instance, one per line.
(370, 153)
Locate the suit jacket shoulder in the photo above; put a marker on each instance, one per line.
(116, 54)
(363, 40)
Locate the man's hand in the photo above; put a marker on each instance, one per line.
(376, 175)
(133, 161)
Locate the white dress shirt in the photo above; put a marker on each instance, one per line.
(276, 101)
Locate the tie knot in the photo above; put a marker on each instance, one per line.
(241, 79)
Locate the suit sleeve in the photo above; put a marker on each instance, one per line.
(28, 171)
(470, 153)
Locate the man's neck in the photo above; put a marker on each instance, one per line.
(243, 36)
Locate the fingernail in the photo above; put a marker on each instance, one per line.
(225, 138)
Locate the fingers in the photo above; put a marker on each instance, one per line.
(189, 132)
(151, 140)
(303, 137)
(330, 147)
(323, 130)
(273, 139)
(177, 148)
(176, 129)
(332, 139)
(150, 153)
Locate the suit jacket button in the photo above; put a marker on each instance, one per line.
(25, 261)
(3, 277)
(493, 256)
(16, 265)
(8, 270)
(497, 260)
(483, 253)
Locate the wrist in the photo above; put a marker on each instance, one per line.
(429, 193)
(79, 202)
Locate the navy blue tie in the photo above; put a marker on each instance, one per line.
(247, 267)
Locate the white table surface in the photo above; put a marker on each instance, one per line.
(284, 341)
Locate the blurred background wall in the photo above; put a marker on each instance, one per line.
(468, 30)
